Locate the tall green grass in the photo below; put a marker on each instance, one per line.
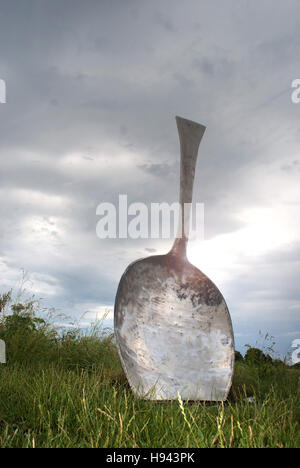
(69, 390)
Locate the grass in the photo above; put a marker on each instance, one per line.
(70, 391)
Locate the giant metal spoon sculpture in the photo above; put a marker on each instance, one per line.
(172, 325)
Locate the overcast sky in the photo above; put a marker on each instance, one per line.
(92, 91)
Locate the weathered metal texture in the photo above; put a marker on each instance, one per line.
(172, 325)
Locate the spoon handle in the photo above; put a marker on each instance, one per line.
(190, 135)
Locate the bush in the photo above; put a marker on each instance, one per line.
(28, 337)
(238, 356)
(31, 340)
(256, 356)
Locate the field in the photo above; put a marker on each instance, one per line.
(69, 390)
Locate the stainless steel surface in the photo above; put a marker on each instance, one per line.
(172, 325)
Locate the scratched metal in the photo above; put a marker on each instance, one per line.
(172, 325)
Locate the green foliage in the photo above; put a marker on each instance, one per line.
(238, 356)
(51, 406)
(31, 339)
(27, 337)
(256, 356)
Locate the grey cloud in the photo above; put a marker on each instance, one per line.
(164, 170)
(165, 22)
(219, 67)
(294, 166)
(103, 81)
